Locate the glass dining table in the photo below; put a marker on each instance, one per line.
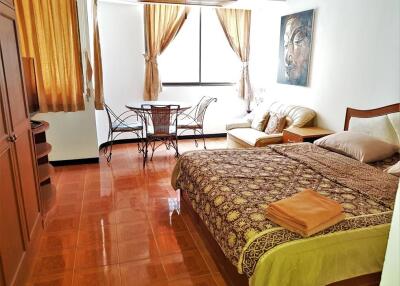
(160, 124)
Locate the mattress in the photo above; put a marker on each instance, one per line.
(230, 189)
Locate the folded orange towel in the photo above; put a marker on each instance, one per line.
(305, 213)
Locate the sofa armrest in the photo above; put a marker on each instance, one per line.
(239, 123)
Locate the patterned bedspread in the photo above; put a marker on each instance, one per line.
(231, 188)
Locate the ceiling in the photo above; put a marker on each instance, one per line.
(249, 4)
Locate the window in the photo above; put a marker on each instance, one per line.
(200, 54)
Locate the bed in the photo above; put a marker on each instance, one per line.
(226, 192)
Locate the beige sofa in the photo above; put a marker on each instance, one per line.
(241, 135)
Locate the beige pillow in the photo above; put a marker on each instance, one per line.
(260, 119)
(276, 123)
(394, 170)
(359, 146)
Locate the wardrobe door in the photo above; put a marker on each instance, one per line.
(12, 246)
(19, 120)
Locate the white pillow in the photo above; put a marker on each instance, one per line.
(260, 119)
(394, 170)
(356, 145)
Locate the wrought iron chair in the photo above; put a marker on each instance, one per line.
(194, 119)
(119, 124)
(160, 123)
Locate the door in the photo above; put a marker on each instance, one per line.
(19, 120)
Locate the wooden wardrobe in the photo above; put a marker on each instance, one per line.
(20, 219)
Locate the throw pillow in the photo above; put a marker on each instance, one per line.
(276, 123)
(394, 170)
(260, 119)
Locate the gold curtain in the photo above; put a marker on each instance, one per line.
(161, 24)
(49, 34)
(236, 25)
(98, 67)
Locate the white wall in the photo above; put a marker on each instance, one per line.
(355, 60)
(122, 43)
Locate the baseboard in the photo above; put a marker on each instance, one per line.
(136, 140)
(75, 162)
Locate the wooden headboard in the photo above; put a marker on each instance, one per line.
(351, 112)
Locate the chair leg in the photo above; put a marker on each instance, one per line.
(204, 140)
(195, 140)
(176, 147)
(152, 150)
(111, 147)
(145, 145)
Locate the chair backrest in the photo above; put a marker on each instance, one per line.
(111, 116)
(162, 119)
(201, 108)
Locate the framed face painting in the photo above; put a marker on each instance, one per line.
(295, 48)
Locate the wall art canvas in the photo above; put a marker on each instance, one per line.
(295, 48)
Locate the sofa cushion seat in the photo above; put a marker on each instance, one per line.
(254, 137)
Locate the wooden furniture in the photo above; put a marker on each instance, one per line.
(45, 169)
(351, 112)
(304, 134)
(19, 197)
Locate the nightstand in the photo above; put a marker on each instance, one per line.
(305, 134)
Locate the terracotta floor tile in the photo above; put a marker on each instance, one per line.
(134, 202)
(100, 276)
(124, 235)
(169, 243)
(58, 240)
(204, 280)
(219, 280)
(63, 279)
(103, 205)
(168, 225)
(142, 247)
(97, 235)
(185, 264)
(95, 256)
(63, 223)
(98, 194)
(148, 272)
(98, 218)
(55, 263)
(130, 215)
(130, 231)
(70, 208)
(104, 183)
(63, 187)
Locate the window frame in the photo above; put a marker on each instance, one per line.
(200, 82)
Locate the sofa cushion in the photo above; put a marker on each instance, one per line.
(275, 124)
(254, 137)
(297, 116)
(260, 118)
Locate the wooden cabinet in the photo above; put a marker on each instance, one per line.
(305, 134)
(19, 201)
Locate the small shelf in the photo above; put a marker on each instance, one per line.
(41, 128)
(42, 149)
(45, 171)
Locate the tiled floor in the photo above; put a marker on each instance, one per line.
(116, 225)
